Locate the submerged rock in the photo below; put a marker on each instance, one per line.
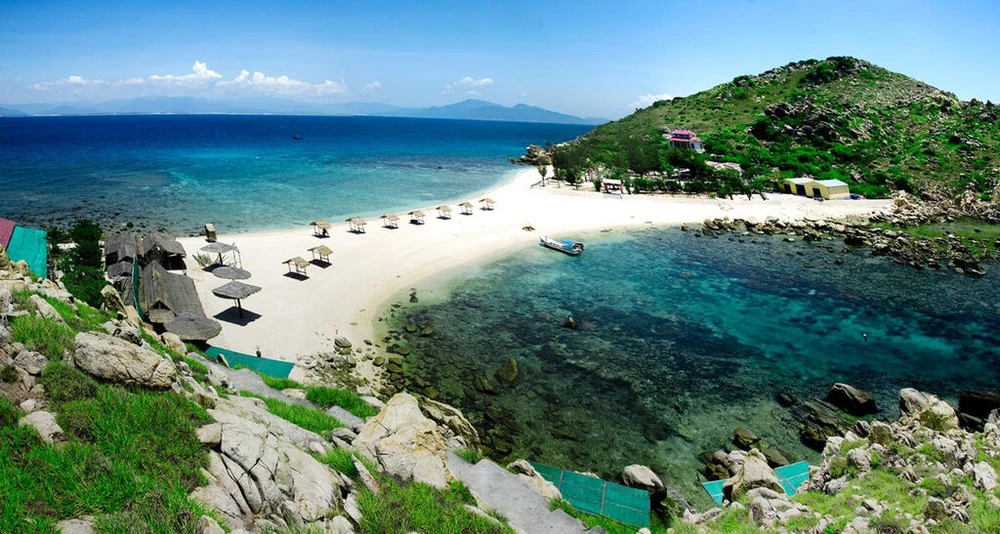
(851, 399)
(509, 372)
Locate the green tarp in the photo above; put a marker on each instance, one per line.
(790, 476)
(267, 366)
(30, 245)
(597, 497)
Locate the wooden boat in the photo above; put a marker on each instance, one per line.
(562, 245)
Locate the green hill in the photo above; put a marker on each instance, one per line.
(840, 118)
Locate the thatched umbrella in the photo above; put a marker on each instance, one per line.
(444, 212)
(390, 221)
(231, 273)
(487, 203)
(320, 228)
(218, 248)
(190, 328)
(236, 291)
(466, 208)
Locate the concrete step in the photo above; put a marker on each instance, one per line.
(503, 491)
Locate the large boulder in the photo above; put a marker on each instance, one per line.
(754, 473)
(642, 477)
(926, 410)
(173, 342)
(117, 360)
(527, 473)
(405, 443)
(851, 400)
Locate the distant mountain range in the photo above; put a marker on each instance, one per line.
(466, 109)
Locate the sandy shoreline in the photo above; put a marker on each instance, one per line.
(302, 317)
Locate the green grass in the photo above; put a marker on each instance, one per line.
(342, 461)
(83, 319)
(409, 507)
(326, 397)
(130, 460)
(470, 454)
(198, 369)
(305, 417)
(39, 334)
(8, 374)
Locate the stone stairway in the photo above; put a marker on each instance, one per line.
(500, 490)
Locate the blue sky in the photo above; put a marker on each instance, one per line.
(583, 57)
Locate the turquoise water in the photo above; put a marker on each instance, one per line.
(683, 338)
(247, 172)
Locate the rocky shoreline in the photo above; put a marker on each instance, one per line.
(962, 255)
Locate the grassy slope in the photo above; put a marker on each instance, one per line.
(893, 130)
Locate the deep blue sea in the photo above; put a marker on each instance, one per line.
(247, 173)
(682, 339)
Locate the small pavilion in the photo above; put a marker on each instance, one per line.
(390, 221)
(416, 217)
(488, 203)
(320, 228)
(466, 208)
(323, 252)
(357, 225)
(444, 212)
(298, 263)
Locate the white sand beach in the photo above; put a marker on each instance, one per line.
(302, 317)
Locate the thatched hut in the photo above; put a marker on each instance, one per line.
(390, 221)
(487, 203)
(356, 225)
(444, 212)
(121, 247)
(165, 296)
(162, 248)
(298, 263)
(416, 217)
(323, 252)
(466, 208)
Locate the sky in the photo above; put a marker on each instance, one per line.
(584, 57)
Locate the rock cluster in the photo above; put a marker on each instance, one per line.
(949, 252)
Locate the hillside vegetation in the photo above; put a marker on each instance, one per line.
(839, 118)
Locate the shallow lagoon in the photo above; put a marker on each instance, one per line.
(682, 338)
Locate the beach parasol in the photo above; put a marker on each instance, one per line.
(218, 248)
(190, 328)
(231, 273)
(235, 291)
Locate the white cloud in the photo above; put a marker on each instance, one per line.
(200, 74)
(131, 81)
(69, 81)
(282, 85)
(372, 87)
(646, 100)
(469, 83)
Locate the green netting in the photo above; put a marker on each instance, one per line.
(30, 245)
(595, 496)
(267, 366)
(790, 476)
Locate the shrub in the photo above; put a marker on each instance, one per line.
(39, 334)
(8, 374)
(470, 454)
(326, 397)
(64, 383)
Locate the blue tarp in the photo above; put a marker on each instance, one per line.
(30, 245)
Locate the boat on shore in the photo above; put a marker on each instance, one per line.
(565, 246)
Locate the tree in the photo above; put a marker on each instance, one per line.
(543, 170)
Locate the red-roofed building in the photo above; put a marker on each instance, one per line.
(686, 139)
(6, 230)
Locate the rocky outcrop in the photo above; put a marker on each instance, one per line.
(116, 360)
(851, 400)
(257, 470)
(752, 473)
(458, 432)
(44, 309)
(926, 409)
(642, 477)
(173, 342)
(405, 443)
